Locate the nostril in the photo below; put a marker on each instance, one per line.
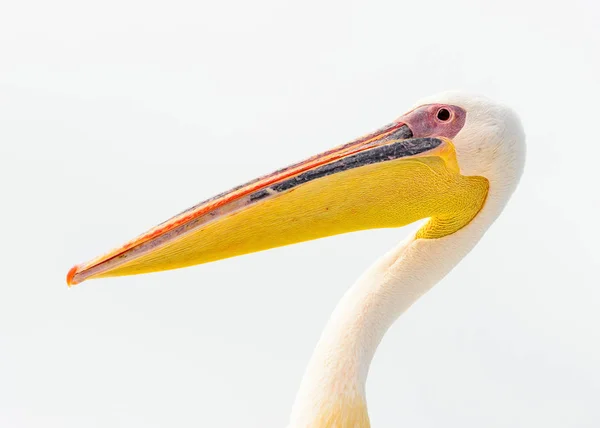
(443, 114)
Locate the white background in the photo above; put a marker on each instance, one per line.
(115, 115)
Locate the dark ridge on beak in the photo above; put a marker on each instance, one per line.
(397, 150)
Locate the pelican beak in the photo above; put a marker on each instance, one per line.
(385, 179)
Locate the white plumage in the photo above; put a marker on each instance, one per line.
(491, 144)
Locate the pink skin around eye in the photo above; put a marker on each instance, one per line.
(424, 122)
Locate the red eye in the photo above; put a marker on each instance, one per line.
(443, 114)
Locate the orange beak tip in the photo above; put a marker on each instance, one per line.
(71, 276)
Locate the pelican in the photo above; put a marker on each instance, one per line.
(453, 161)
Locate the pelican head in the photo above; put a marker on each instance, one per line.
(491, 143)
(441, 160)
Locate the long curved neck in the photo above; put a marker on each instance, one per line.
(332, 392)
